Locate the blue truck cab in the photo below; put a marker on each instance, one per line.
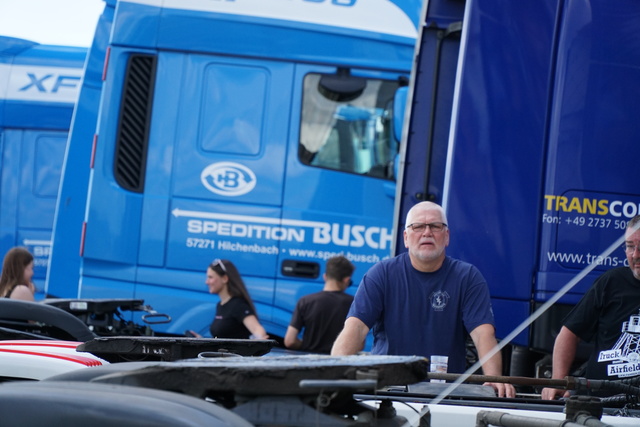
(39, 86)
(259, 131)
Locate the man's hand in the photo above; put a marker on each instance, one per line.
(484, 338)
(502, 389)
(553, 393)
(564, 353)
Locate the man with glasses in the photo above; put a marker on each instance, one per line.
(609, 316)
(423, 302)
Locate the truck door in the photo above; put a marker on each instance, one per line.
(32, 161)
(340, 185)
(215, 175)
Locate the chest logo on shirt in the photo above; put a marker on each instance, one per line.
(624, 357)
(439, 300)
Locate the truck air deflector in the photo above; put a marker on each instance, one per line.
(134, 121)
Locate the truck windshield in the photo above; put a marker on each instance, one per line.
(353, 135)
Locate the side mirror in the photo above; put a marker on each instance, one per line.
(399, 107)
(341, 87)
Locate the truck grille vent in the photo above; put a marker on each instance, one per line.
(133, 125)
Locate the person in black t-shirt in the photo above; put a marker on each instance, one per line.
(322, 314)
(236, 316)
(609, 316)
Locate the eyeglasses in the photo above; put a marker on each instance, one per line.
(629, 248)
(219, 262)
(435, 227)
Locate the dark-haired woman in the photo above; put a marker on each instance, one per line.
(235, 313)
(17, 272)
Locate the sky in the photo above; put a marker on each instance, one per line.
(57, 22)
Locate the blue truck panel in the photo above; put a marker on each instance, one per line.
(38, 89)
(64, 270)
(508, 141)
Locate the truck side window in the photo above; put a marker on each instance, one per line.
(349, 132)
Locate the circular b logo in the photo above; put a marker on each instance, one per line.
(228, 178)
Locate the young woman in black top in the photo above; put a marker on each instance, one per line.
(235, 313)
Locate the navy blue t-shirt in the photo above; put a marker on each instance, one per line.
(423, 314)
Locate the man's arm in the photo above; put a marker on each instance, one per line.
(351, 339)
(564, 352)
(291, 338)
(484, 338)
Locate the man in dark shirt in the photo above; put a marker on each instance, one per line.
(424, 302)
(322, 314)
(609, 316)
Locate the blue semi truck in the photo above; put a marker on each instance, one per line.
(39, 86)
(260, 131)
(522, 123)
